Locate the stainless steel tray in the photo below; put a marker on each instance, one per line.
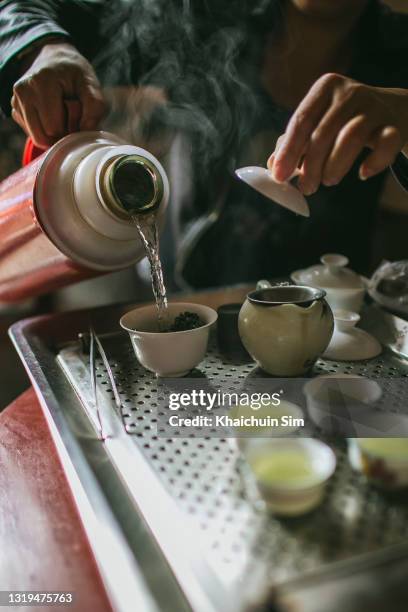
(169, 520)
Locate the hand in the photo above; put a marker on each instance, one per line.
(55, 73)
(335, 121)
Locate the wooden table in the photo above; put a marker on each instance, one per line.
(42, 542)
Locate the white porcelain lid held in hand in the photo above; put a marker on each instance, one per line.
(349, 343)
(284, 194)
(331, 274)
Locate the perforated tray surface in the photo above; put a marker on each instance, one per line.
(202, 476)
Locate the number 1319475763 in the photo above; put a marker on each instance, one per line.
(33, 598)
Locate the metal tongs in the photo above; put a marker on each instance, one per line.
(96, 345)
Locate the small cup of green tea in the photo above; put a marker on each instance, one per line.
(291, 474)
(176, 349)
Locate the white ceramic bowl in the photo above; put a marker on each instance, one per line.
(336, 401)
(291, 474)
(170, 354)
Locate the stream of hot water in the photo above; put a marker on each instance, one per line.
(148, 231)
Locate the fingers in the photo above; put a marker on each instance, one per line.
(36, 129)
(57, 73)
(93, 105)
(38, 107)
(350, 142)
(386, 145)
(73, 110)
(319, 147)
(25, 114)
(333, 124)
(301, 126)
(49, 103)
(271, 160)
(16, 112)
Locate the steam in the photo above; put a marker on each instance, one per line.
(183, 57)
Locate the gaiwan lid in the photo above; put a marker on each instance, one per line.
(349, 343)
(332, 273)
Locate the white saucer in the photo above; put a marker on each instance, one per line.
(349, 343)
(284, 194)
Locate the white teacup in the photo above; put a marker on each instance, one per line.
(170, 354)
(291, 474)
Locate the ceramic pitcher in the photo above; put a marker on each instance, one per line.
(285, 328)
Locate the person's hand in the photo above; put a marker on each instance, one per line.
(335, 121)
(54, 74)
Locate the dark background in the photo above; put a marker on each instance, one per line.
(390, 242)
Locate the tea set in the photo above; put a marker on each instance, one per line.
(284, 328)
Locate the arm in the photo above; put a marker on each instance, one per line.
(41, 47)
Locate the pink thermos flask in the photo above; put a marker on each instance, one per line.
(68, 214)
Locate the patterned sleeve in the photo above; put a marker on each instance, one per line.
(24, 23)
